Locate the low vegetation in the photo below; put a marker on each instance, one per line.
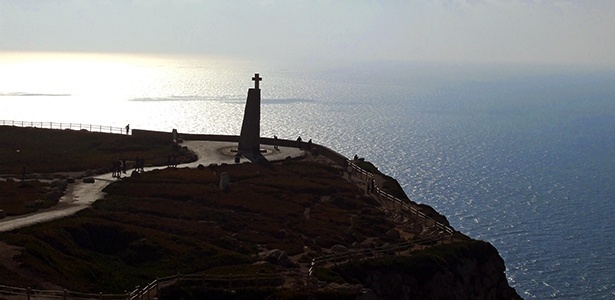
(36, 150)
(173, 221)
(271, 220)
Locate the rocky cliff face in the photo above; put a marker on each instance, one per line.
(465, 270)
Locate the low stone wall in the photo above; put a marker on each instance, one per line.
(150, 134)
(322, 150)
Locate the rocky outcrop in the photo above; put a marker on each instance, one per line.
(463, 270)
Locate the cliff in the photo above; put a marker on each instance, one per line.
(270, 226)
(463, 270)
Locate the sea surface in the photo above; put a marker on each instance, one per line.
(520, 156)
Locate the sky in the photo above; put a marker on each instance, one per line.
(460, 31)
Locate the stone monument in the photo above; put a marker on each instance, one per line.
(249, 139)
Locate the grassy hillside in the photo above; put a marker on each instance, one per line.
(273, 219)
(53, 150)
(45, 154)
(179, 221)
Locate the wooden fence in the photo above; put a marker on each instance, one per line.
(230, 281)
(404, 205)
(28, 293)
(150, 291)
(73, 126)
(369, 253)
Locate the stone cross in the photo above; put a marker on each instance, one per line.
(256, 79)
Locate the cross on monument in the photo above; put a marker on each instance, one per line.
(256, 79)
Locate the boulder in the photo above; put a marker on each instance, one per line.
(339, 249)
(88, 180)
(281, 234)
(54, 195)
(59, 183)
(393, 234)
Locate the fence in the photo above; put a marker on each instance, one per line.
(151, 290)
(403, 204)
(73, 126)
(28, 293)
(366, 253)
(230, 281)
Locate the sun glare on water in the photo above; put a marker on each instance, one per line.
(74, 74)
(109, 89)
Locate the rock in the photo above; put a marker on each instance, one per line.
(270, 255)
(393, 234)
(276, 257)
(54, 195)
(88, 180)
(224, 182)
(367, 294)
(320, 241)
(339, 249)
(200, 167)
(59, 183)
(306, 213)
(70, 179)
(281, 234)
(2, 214)
(135, 174)
(344, 288)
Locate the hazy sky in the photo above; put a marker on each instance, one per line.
(534, 31)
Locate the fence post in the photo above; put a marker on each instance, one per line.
(157, 285)
(28, 291)
(230, 281)
(65, 294)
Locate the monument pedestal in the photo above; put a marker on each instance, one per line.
(249, 139)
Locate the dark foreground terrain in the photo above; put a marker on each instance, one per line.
(272, 221)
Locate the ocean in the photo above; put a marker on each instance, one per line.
(520, 156)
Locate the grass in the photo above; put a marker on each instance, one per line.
(53, 150)
(172, 221)
(17, 198)
(178, 221)
(45, 154)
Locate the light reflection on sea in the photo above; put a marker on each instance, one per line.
(522, 158)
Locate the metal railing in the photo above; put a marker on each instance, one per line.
(72, 126)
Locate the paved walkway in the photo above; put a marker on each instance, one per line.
(81, 195)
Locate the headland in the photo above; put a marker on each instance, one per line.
(310, 224)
